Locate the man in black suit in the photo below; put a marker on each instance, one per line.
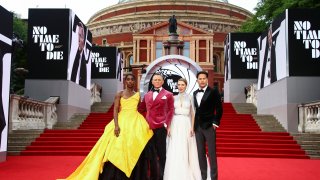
(80, 59)
(207, 102)
(269, 66)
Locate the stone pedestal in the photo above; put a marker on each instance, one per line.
(173, 45)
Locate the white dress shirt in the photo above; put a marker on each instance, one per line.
(200, 95)
(155, 94)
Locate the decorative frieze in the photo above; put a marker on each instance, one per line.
(134, 27)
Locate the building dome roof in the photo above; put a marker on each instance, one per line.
(124, 1)
(131, 16)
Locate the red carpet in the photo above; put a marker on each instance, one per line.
(53, 167)
(244, 152)
(237, 136)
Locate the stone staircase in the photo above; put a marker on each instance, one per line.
(244, 108)
(310, 143)
(18, 140)
(268, 123)
(73, 123)
(100, 106)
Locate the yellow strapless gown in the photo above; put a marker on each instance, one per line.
(122, 151)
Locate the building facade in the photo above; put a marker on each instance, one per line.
(140, 29)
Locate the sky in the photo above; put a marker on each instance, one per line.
(84, 9)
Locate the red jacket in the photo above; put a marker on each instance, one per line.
(160, 110)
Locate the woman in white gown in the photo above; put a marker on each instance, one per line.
(182, 156)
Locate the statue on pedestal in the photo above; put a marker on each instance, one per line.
(173, 25)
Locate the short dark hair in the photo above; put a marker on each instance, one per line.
(202, 72)
(158, 74)
(134, 77)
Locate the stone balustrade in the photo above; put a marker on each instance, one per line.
(309, 117)
(26, 113)
(309, 113)
(95, 93)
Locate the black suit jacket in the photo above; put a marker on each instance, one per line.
(82, 71)
(273, 64)
(209, 111)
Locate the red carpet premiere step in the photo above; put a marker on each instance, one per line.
(239, 168)
(238, 136)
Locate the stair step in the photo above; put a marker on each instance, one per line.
(312, 152)
(58, 148)
(54, 153)
(262, 155)
(306, 134)
(18, 144)
(16, 148)
(311, 146)
(309, 142)
(25, 135)
(20, 140)
(13, 153)
(64, 143)
(26, 131)
(307, 138)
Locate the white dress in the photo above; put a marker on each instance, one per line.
(182, 156)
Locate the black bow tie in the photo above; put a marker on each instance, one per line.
(200, 90)
(156, 90)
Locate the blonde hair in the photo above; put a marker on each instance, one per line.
(183, 80)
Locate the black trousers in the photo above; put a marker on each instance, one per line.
(207, 137)
(157, 149)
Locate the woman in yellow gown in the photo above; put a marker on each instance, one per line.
(118, 150)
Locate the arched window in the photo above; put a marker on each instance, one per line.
(130, 62)
(159, 46)
(186, 49)
(216, 63)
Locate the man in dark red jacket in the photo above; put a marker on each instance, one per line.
(158, 103)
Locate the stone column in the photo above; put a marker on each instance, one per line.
(173, 45)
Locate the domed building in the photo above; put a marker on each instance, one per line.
(140, 29)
